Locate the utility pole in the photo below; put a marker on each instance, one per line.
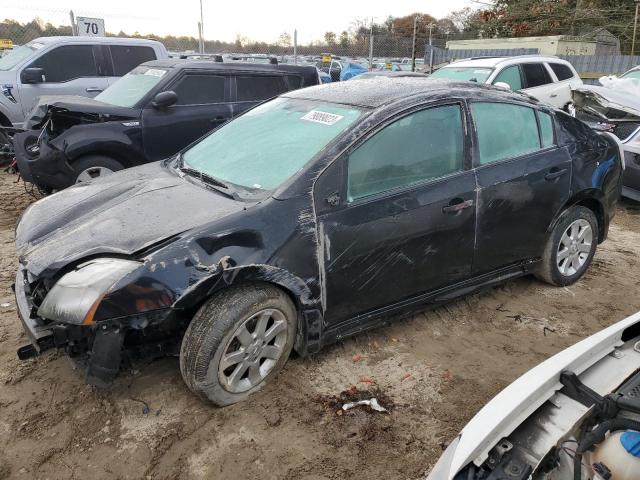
(635, 28)
(295, 46)
(371, 45)
(413, 44)
(201, 30)
(431, 25)
(74, 27)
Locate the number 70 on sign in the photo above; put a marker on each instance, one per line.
(90, 27)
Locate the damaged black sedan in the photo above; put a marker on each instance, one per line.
(310, 218)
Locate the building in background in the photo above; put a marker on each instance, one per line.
(598, 42)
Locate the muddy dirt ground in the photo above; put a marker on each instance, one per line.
(436, 369)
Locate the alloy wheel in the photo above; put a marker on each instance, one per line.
(253, 350)
(93, 172)
(574, 248)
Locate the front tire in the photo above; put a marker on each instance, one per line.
(239, 339)
(94, 166)
(570, 248)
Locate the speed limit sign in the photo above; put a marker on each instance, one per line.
(90, 27)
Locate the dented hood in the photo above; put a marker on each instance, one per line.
(617, 104)
(120, 214)
(75, 104)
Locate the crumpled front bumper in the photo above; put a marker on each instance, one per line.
(49, 168)
(40, 336)
(98, 348)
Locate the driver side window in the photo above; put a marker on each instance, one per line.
(510, 76)
(421, 146)
(67, 62)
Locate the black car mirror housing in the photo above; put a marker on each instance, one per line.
(32, 75)
(164, 99)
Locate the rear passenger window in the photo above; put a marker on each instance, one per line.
(127, 57)
(293, 81)
(535, 74)
(67, 63)
(505, 131)
(563, 72)
(259, 87)
(195, 89)
(546, 129)
(510, 76)
(422, 146)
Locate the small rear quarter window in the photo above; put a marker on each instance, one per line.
(546, 129)
(259, 87)
(563, 72)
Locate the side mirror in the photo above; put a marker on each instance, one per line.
(164, 99)
(504, 85)
(32, 75)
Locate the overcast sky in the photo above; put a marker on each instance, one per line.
(256, 19)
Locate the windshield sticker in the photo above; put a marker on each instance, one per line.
(324, 118)
(154, 72)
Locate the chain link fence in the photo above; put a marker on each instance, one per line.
(356, 47)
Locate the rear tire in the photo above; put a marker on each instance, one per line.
(570, 248)
(239, 339)
(94, 166)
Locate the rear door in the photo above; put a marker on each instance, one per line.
(538, 82)
(250, 89)
(406, 221)
(524, 179)
(203, 104)
(565, 79)
(68, 70)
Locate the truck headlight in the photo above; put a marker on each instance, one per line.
(76, 296)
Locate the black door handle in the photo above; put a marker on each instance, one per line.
(456, 205)
(217, 119)
(555, 173)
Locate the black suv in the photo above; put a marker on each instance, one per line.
(149, 114)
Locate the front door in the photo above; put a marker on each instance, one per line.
(68, 70)
(524, 180)
(203, 104)
(406, 223)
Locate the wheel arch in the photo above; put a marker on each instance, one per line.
(591, 199)
(307, 305)
(121, 157)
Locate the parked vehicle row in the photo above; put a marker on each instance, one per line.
(549, 79)
(149, 114)
(309, 218)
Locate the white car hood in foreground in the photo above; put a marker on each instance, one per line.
(502, 415)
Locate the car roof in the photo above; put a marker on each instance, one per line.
(69, 39)
(492, 62)
(384, 90)
(389, 73)
(213, 65)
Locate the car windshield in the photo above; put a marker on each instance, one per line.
(17, 55)
(128, 90)
(632, 74)
(466, 74)
(267, 145)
